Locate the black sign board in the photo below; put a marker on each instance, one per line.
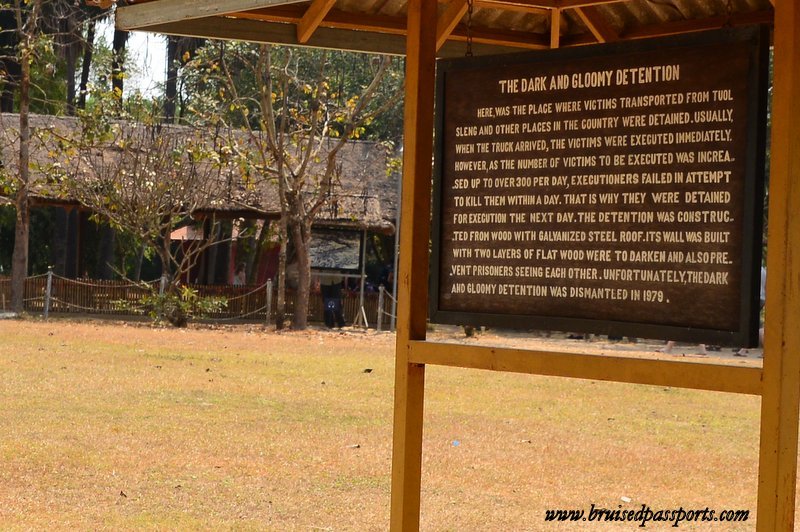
(335, 250)
(614, 189)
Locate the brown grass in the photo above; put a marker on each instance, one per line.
(107, 426)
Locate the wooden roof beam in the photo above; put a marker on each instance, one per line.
(455, 11)
(517, 39)
(141, 16)
(570, 4)
(396, 26)
(312, 18)
(102, 4)
(766, 16)
(555, 28)
(229, 28)
(597, 24)
(510, 5)
(335, 19)
(543, 4)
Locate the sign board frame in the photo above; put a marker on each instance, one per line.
(746, 331)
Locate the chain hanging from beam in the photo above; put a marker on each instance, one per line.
(470, 9)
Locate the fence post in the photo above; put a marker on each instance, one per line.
(48, 293)
(269, 300)
(380, 308)
(162, 285)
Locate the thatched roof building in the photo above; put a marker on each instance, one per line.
(364, 194)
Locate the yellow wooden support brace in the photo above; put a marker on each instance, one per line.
(777, 472)
(555, 28)
(312, 18)
(597, 24)
(449, 20)
(413, 267)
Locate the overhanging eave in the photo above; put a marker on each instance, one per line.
(332, 38)
(144, 15)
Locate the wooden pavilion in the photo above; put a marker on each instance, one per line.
(425, 29)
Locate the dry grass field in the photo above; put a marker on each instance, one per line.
(108, 426)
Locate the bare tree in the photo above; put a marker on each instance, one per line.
(149, 180)
(295, 125)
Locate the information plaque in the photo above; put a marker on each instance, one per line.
(335, 250)
(613, 189)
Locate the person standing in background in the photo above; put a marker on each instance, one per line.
(331, 290)
(239, 276)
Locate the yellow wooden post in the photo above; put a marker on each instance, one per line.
(781, 391)
(413, 267)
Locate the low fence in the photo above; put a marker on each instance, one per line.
(52, 293)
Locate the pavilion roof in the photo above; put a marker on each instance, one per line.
(496, 25)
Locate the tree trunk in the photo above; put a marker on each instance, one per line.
(71, 61)
(118, 63)
(166, 260)
(302, 240)
(280, 311)
(171, 309)
(171, 87)
(19, 258)
(137, 270)
(86, 65)
(179, 50)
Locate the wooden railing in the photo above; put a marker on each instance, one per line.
(121, 298)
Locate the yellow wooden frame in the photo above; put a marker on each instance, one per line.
(698, 376)
(778, 383)
(777, 470)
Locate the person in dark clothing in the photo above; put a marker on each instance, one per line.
(331, 289)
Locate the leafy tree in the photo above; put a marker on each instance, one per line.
(69, 26)
(292, 122)
(73, 25)
(63, 20)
